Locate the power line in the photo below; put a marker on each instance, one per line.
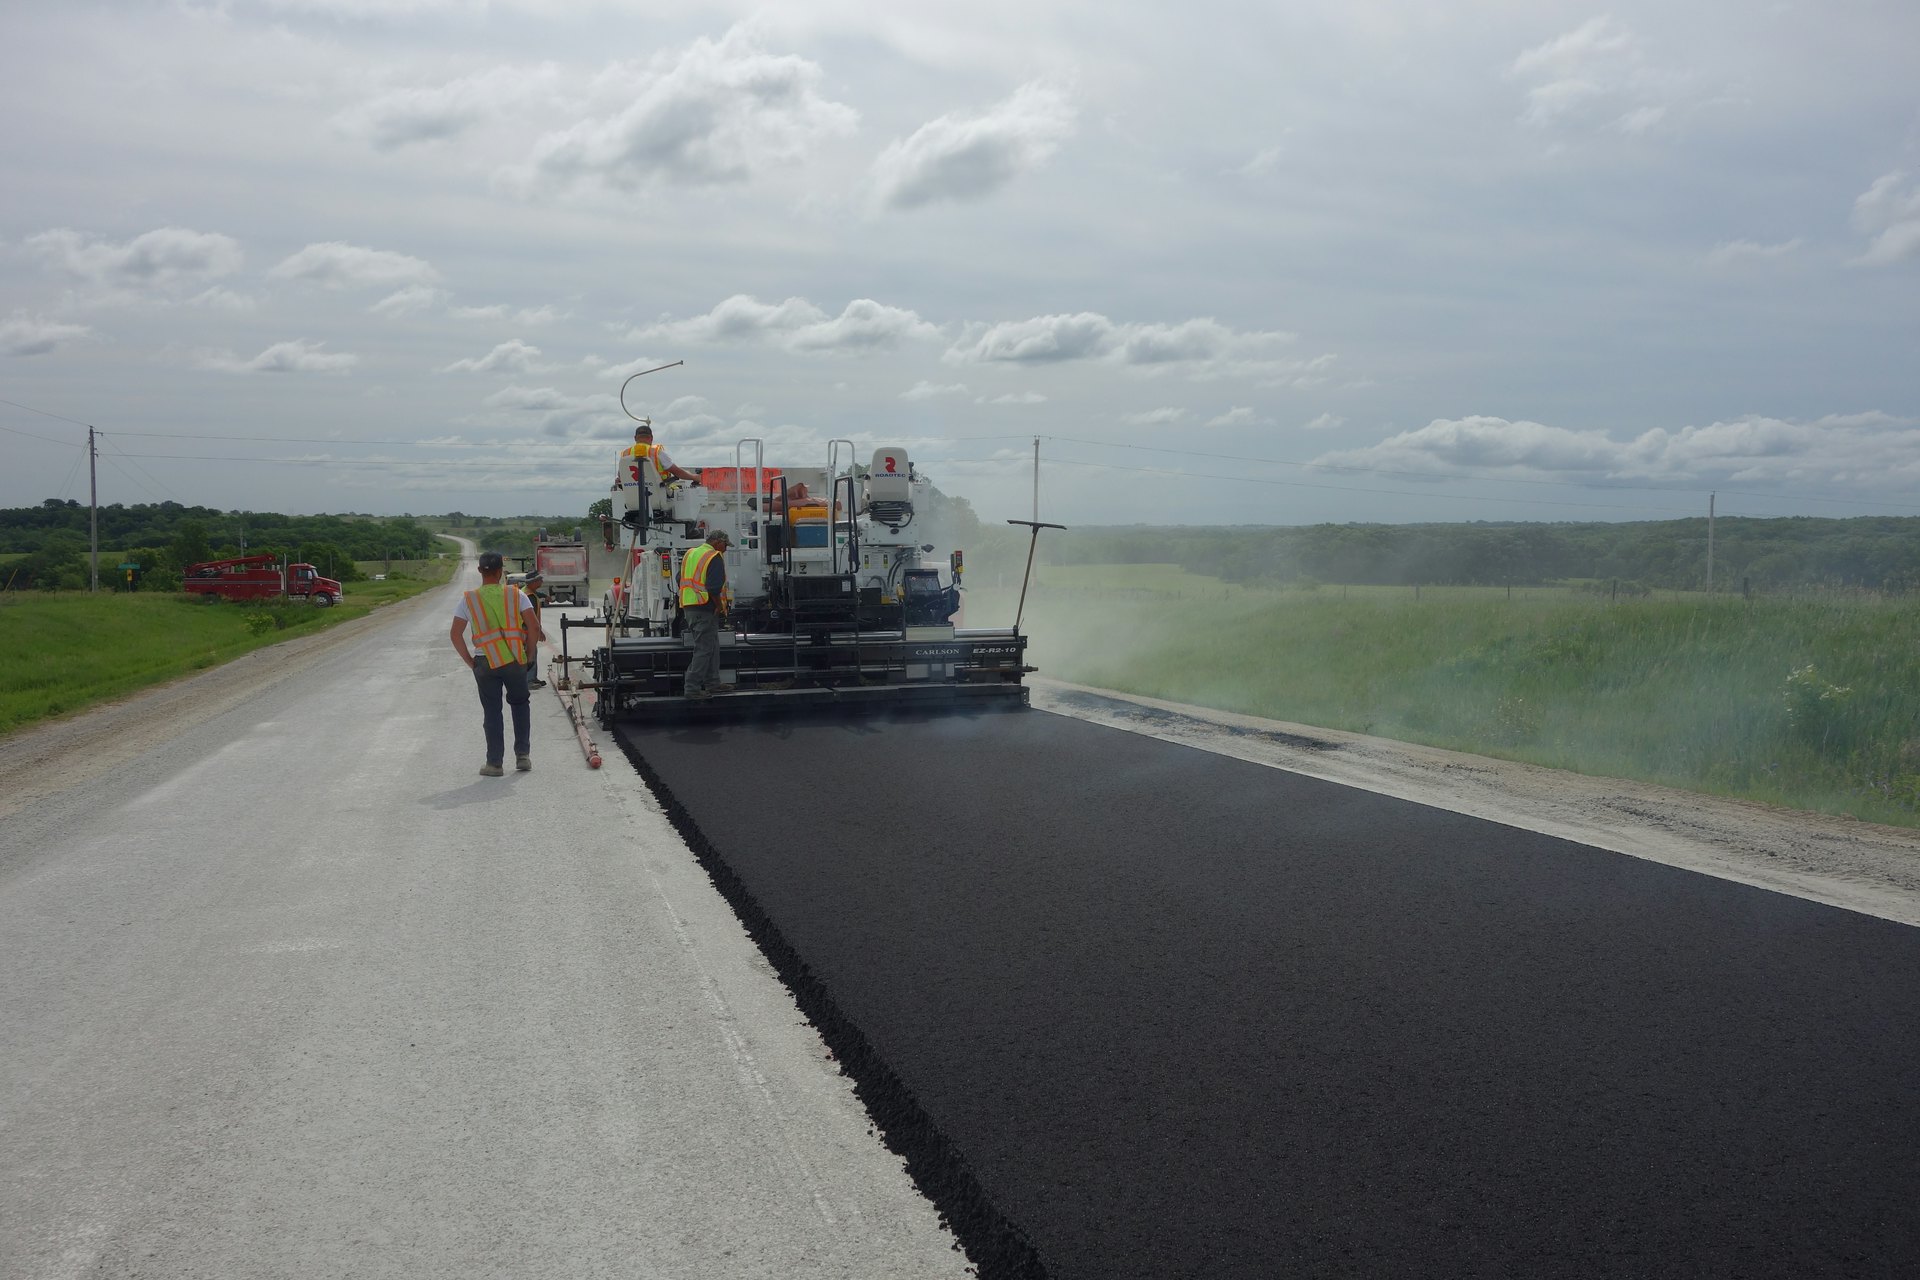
(121, 453)
(43, 413)
(135, 479)
(49, 439)
(369, 462)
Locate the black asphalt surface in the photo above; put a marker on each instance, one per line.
(1134, 1010)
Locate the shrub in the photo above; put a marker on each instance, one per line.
(1818, 711)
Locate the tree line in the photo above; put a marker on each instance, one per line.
(1878, 553)
(48, 544)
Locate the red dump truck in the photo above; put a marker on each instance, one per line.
(258, 578)
(562, 562)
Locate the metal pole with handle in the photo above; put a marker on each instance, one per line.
(1034, 541)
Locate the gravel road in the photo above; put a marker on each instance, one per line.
(291, 991)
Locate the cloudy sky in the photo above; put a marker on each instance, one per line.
(1231, 262)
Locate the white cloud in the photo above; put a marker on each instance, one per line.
(1872, 448)
(795, 324)
(596, 417)
(415, 297)
(152, 260)
(1889, 211)
(1041, 340)
(403, 116)
(223, 300)
(924, 390)
(960, 157)
(511, 356)
(1590, 80)
(1734, 252)
(1163, 417)
(1264, 164)
(718, 112)
(1200, 348)
(1239, 416)
(526, 317)
(1014, 397)
(1325, 422)
(348, 266)
(863, 325)
(24, 335)
(298, 356)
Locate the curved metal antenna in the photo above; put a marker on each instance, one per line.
(643, 373)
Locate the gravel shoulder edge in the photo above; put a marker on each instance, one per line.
(45, 759)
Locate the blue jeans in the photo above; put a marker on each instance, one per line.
(702, 630)
(492, 682)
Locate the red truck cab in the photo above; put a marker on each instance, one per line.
(258, 578)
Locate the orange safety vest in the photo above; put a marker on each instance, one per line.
(639, 451)
(501, 641)
(693, 575)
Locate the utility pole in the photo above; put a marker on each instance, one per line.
(1710, 498)
(93, 504)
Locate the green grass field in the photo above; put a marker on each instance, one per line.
(71, 650)
(1811, 703)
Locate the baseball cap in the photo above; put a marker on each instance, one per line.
(489, 561)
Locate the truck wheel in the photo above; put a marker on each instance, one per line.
(322, 601)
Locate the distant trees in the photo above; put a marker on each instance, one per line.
(1875, 553)
(51, 540)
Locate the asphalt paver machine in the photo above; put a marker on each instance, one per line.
(832, 597)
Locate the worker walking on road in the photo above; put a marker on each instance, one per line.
(703, 585)
(505, 629)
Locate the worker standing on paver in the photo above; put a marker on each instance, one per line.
(505, 629)
(645, 450)
(703, 585)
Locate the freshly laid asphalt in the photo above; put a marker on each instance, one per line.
(1134, 1010)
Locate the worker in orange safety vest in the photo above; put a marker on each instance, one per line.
(703, 588)
(505, 629)
(645, 450)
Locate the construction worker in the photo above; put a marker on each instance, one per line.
(645, 450)
(703, 586)
(505, 629)
(535, 585)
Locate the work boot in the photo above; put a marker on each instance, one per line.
(523, 763)
(491, 771)
(698, 695)
(536, 683)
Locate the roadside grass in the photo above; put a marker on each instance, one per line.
(1809, 702)
(69, 650)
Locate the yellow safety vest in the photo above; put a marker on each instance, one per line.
(651, 451)
(500, 638)
(693, 575)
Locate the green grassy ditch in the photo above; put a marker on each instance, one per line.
(1811, 702)
(70, 650)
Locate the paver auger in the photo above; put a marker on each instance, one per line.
(829, 601)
